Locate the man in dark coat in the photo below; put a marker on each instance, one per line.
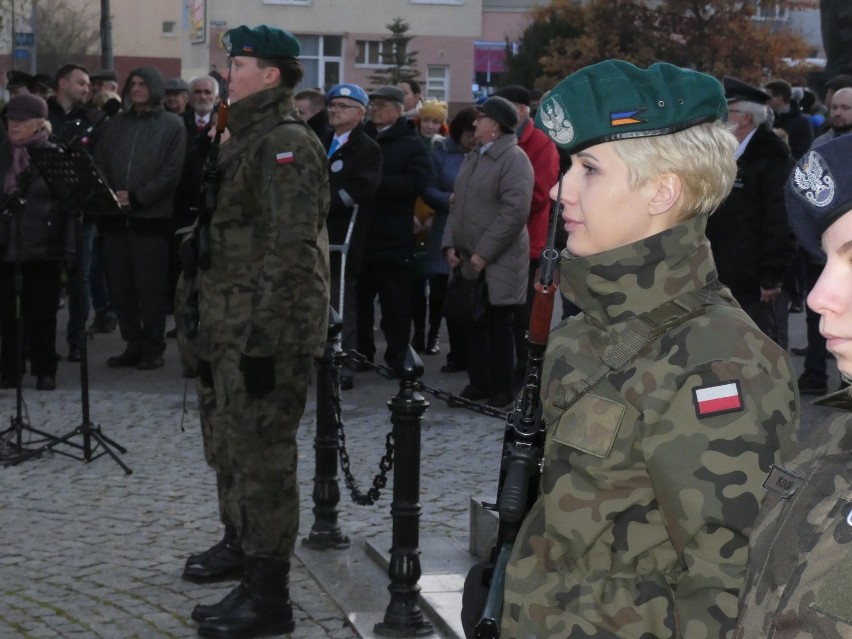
(355, 171)
(752, 242)
(141, 155)
(386, 269)
(789, 117)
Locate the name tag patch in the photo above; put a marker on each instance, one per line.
(782, 482)
(717, 399)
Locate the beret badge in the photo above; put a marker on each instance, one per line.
(553, 119)
(813, 181)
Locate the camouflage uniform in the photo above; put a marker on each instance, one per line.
(799, 584)
(265, 294)
(644, 511)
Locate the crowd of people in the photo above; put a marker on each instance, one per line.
(352, 198)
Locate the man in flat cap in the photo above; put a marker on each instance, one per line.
(263, 311)
(176, 98)
(103, 80)
(389, 250)
(752, 242)
(18, 82)
(635, 531)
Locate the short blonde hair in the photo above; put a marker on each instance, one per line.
(702, 157)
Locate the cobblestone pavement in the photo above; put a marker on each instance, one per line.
(87, 551)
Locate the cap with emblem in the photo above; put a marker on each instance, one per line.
(349, 91)
(26, 106)
(393, 94)
(819, 192)
(15, 79)
(261, 42)
(501, 111)
(176, 85)
(515, 93)
(615, 100)
(739, 91)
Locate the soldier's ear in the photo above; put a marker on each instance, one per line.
(667, 192)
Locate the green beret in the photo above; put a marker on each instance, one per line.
(261, 42)
(615, 100)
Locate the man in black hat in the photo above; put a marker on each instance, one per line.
(386, 267)
(18, 82)
(752, 242)
(176, 99)
(263, 304)
(103, 80)
(544, 158)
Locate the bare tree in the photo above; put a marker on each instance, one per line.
(65, 33)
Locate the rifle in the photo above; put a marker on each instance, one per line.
(523, 442)
(195, 250)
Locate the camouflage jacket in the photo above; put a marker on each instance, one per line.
(799, 584)
(651, 482)
(267, 288)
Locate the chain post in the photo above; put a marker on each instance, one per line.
(325, 533)
(403, 616)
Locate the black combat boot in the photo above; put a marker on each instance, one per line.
(223, 561)
(259, 606)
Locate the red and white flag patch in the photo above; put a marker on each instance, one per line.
(717, 399)
(285, 157)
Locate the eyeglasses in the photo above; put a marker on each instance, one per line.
(338, 107)
(378, 104)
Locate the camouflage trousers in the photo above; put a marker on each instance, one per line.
(251, 443)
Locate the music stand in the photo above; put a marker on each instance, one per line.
(74, 180)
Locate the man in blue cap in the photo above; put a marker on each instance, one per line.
(263, 307)
(355, 164)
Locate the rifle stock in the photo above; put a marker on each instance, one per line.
(523, 442)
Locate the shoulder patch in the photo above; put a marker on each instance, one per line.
(717, 399)
(285, 157)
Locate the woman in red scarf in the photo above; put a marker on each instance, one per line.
(35, 236)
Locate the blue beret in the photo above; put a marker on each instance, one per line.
(819, 192)
(261, 42)
(350, 91)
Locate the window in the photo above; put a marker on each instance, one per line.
(322, 59)
(369, 53)
(438, 83)
(768, 10)
(169, 29)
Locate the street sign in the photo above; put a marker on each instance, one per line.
(24, 39)
(22, 54)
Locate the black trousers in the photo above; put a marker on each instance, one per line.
(39, 299)
(137, 264)
(391, 281)
(491, 353)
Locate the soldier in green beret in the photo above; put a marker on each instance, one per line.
(263, 305)
(665, 406)
(799, 583)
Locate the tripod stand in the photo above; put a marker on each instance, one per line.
(74, 181)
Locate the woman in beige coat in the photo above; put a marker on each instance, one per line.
(486, 231)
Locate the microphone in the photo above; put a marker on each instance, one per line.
(109, 109)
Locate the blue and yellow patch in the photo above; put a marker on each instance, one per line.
(248, 48)
(620, 118)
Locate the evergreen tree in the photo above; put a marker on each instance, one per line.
(402, 63)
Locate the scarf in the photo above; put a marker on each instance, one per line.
(21, 159)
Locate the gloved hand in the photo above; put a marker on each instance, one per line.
(258, 374)
(204, 372)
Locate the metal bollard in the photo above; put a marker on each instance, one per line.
(325, 533)
(403, 617)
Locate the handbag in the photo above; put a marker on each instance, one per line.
(466, 300)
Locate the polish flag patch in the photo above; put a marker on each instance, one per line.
(717, 399)
(285, 157)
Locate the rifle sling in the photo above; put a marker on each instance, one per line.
(640, 333)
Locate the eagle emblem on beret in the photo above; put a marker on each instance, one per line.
(553, 117)
(813, 181)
